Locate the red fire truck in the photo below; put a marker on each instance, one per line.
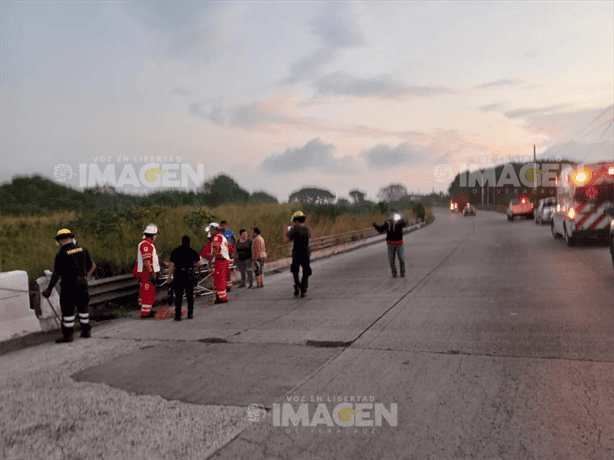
(583, 194)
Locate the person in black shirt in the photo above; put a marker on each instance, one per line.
(301, 251)
(394, 239)
(73, 264)
(183, 260)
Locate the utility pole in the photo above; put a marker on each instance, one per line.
(534, 166)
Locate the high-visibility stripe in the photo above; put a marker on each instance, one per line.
(69, 324)
(587, 215)
(69, 318)
(593, 226)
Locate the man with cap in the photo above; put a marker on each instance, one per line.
(73, 264)
(183, 260)
(146, 269)
(394, 239)
(219, 253)
(301, 251)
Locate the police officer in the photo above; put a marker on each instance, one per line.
(73, 264)
(183, 260)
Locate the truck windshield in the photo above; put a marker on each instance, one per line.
(601, 192)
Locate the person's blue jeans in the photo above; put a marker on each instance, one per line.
(395, 250)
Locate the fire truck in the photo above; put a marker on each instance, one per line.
(583, 195)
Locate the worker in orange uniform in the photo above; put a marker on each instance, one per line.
(146, 269)
(219, 253)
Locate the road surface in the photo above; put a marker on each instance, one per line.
(498, 344)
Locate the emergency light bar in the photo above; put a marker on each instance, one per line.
(580, 177)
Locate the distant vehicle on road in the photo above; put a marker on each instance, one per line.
(469, 210)
(458, 201)
(583, 194)
(543, 214)
(520, 207)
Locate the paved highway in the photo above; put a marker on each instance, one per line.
(497, 344)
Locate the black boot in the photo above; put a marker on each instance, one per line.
(296, 290)
(86, 330)
(67, 335)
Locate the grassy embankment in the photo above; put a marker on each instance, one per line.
(112, 235)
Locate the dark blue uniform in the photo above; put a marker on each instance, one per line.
(72, 263)
(184, 258)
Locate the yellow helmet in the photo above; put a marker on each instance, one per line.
(296, 215)
(64, 233)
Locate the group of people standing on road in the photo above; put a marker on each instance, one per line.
(74, 265)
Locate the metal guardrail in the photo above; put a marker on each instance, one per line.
(117, 287)
(113, 288)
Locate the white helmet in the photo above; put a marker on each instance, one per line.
(151, 229)
(212, 226)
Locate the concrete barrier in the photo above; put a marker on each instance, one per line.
(51, 313)
(16, 316)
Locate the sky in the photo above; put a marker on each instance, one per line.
(282, 95)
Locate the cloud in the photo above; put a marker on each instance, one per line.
(579, 126)
(497, 83)
(385, 157)
(257, 115)
(383, 86)
(575, 151)
(491, 108)
(315, 154)
(520, 113)
(337, 28)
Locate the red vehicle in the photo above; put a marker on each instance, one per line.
(458, 202)
(519, 207)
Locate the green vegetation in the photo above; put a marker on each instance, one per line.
(110, 224)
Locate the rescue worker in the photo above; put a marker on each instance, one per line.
(394, 239)
(73, 264)
(146, 270)
(232, 240)
(219, 253)
(301, 251)
(183, 260)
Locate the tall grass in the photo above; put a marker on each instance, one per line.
(111, 234)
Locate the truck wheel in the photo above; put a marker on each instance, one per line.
(555, 234)
(510, 218)
(569, 240)
(612, 249)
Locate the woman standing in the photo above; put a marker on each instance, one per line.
(258, 256)
(243, 248)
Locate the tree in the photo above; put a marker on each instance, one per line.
(357, 196)
(343, 202)
(311, 196)
(223, 189)
(262, 197)
(392, 192)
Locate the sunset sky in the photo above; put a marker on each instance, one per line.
(279, 95)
